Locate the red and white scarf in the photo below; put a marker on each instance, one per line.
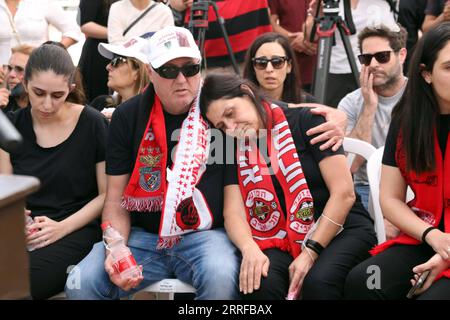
(152, 189)
(271, 228)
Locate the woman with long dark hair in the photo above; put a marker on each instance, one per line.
(270, 63)
(63, 146)
(280, 191)
(93, 22)
(417, 154)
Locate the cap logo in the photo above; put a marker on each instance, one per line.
(130, 43)
(168, 44)
(182, 40)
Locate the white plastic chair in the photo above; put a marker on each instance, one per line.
(374, 176)
(355, 147)
(164, 290)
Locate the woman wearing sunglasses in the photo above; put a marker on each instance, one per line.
(416, 154)
(281, 192)
(270, 63)
(127, 73)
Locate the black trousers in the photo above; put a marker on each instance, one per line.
(326, 278)
(48, 265)
(395, 266)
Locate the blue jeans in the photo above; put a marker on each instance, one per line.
(207, 260)
(364, 191)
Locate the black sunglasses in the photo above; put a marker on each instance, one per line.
(381, 57)
(17, 69)
(117, 61)
(276, 62)
(171, 72)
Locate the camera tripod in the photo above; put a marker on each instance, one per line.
(198, 24)
(326, 27)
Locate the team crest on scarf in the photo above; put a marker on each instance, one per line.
(153, 187)
(150, 176)
(271, 227)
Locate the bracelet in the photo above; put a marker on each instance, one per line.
(314, 246)
(427, 230)
(310, 255)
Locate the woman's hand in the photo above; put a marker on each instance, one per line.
(49, 232)
(440, 242)
(436, 265)
(254, 265)
(298, 270)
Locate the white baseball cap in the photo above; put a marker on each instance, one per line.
(131, 48)
(170, 43)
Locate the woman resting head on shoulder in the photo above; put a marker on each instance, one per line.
(267, 230)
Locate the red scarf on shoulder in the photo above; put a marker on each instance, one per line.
(432, 194)
(154, 188)
(271, 228)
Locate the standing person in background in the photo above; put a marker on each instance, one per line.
(411, 15)
(64, 146)
(287, 18)
(93, 22)
(437, 11)
(244, 21)
(365, 13)
(27, 22)
(127, 19)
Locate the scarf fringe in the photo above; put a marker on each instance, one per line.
(153, 204)
(168, 242)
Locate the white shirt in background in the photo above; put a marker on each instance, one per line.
(123, 13)
(367, 13)
(31, 23)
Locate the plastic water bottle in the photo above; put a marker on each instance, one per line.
(29, 221)
(123, 260)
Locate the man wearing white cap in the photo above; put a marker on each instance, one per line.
(158, 202)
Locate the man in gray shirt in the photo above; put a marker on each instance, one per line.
(382, 83)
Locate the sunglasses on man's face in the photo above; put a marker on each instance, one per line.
(171, 72)
(381, 57)
(262, 62)
(117, 61)
(17, 69)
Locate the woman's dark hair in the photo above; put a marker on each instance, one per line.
(417, 112)
(54, 57)
(228, 86)
(291, 87)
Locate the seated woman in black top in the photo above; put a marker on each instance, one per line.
(64, 146)
(274, 193)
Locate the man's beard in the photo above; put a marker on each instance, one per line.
(392, 80)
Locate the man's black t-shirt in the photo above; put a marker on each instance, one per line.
(301, 120)
(67, 172)
(125, 134)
